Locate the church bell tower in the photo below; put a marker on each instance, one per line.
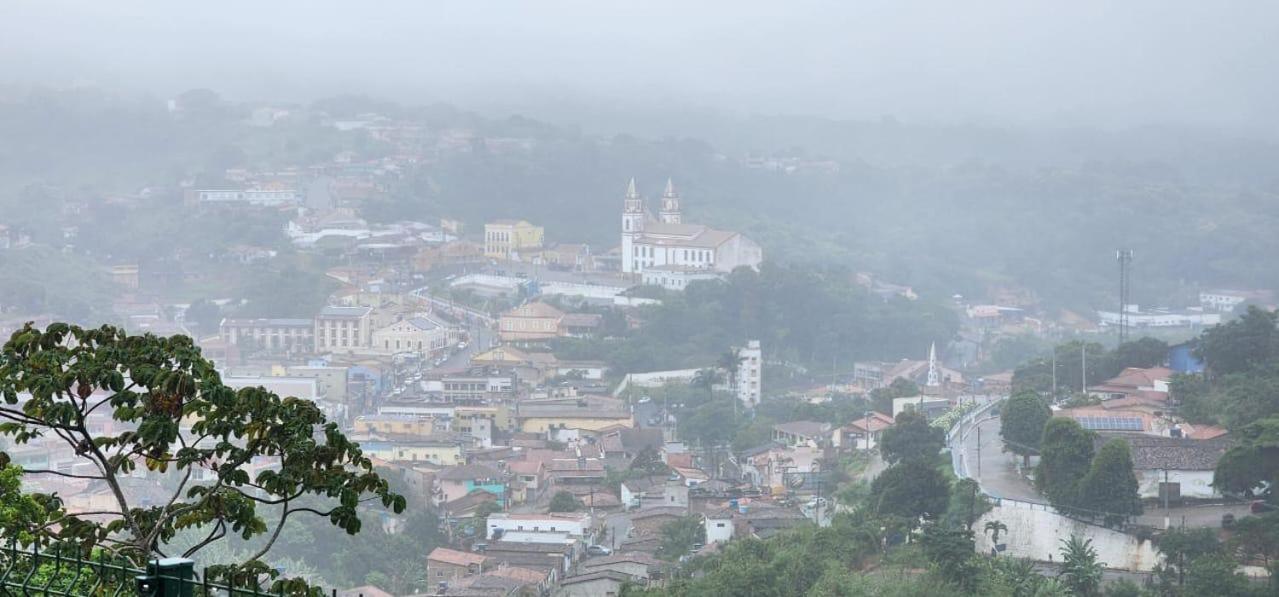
(670, 213)
(632, 226)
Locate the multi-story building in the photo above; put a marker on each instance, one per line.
(413, 334)
(343, 329)
(288, 335)
(750, 374)
(649, 242)
(477, 386)
(266, 197)
(508, 239)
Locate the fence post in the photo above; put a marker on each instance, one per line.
(174, 576)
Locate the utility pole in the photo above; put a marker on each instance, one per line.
(1124, 257)
(1167, 514)
(1083, 368)
(979, 451)
(1054, 397)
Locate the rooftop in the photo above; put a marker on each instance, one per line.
(455, 557)
(1153, 452)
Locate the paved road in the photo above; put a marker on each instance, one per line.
(999, 476)
(984, 460)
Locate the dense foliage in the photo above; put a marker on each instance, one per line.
(173, 414)
(1021, 423)
(799, 314)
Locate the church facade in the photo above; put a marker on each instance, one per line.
(666, 243)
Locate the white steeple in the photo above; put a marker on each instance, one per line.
(934, 375)
(670, 213)
(632, 227)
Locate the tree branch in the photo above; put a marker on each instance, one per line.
(284, 517)
(36, 471)
(218, 532)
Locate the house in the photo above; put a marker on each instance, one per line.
(1135, 382)
(796, 433)
(555, 558)
(605, 583)
(539, 580)
(532, 473)
(640, 567)
(468, 505)
(626, 443)
(527, 528)
(449, 565)
(1132, 420)
(632, 491)
(512, 239)
(649, 521)
(862, 433)
(394, 425)
(530, 322)
(580, 325)
(1181, 467)
(458, 481)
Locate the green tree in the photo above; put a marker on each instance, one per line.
(1080, 569)
(564, 501)
(882, 398)
(911, 489)
(1191, 395)
(912, 438)
(205, 316)
(1182, 547)
(1111, 485)
(967, 504)
(1066, 453)
(1021, 423)
(1144, 352)
(1256, 538)
(679, 536)
(177, 416)
(1240, 344)
(1217, 575)
(951, 552)
(1251, 467)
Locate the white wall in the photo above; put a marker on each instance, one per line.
(1194, 484)
(719, 530)
(1035, 532)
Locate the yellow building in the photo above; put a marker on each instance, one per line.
(440, 453)
(507, 239)
(395, 424)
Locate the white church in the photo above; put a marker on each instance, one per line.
(666, 251)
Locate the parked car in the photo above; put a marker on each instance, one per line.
(598, 550)
(645, 400)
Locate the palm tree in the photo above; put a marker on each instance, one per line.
(995, 527)
(707, 378)
(731, 363)
(1080, 569)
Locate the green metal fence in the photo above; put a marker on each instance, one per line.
(59, 573)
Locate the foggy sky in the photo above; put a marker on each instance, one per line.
(1016, 62)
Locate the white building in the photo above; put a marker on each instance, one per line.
(719, 525)
(649, 242)
(1226, 300)
(413, 334)
(260, 197)
(343, 328)
(1161, 318)
(1180, 466)
(750, 374)
(511, 526)
(677, 277)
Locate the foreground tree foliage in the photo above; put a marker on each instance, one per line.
(174, 416)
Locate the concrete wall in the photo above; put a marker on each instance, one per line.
(1036, 532)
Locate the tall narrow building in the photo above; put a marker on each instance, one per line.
(632, 226)
(750, 374)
